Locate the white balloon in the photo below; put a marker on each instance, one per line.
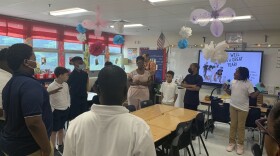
(216, 53)
(119, 27)
(185, 32)
(81, 37)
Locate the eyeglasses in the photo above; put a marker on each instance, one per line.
(261, 123)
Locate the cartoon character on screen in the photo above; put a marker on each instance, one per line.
(209, 73)
(218, 75)
(205, 66)
(43, 61)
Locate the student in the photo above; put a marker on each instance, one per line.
(192, 83)
(139, 80)
(272, 139)
(108, 64)
(78, 82)
(240, 90)
(109, 129)
(169, 90)
(6, 75)
(60, 103)
(27, 107)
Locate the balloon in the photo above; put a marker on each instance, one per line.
(217, 4)
(81, 37)
(118, 39)
(96, 48)
(215, 54)
(200, 16)
(81, 29)
(119, 27)
(185, 32)
(217, 28)
(183, 43)
(88, 24)
(227, 15)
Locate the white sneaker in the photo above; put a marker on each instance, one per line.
(240, 149)
(230, 147)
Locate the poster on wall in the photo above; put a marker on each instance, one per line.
(132, 54)
(159, 57)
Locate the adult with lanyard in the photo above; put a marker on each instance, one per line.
(78, 84)
(26, 104)
(192, 83)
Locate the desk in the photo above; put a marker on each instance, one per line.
(153, 111)
(169, 122)
(158, 133)
(183, 114)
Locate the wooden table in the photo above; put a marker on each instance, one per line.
(151, 112)
(183, 114)
(158, 133)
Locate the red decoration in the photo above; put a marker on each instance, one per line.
(96, 48)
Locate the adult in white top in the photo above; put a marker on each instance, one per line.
(169, 90)
(240, 90)
(109, 129)
(6, 75)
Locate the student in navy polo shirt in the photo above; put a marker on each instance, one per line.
(78, 83)
(27, 108)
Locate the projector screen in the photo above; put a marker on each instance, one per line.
(216, 74)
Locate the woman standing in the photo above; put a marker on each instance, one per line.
(139, 81)
(240, 90)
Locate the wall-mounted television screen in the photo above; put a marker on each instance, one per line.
(217, 74)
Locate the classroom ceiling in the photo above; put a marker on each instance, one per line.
(168, 17)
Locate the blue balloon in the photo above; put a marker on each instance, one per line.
(118, 39)
(183, 43)
(81, 29)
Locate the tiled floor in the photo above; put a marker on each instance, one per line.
(216, 143)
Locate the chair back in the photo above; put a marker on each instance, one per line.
(131, 108)
(146, 103)
(256, 150)
(253, 115)
(198, 124)
(220, 111)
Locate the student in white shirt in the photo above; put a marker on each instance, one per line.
(5, 73)
(240, 90)
(169, 90)
(60, 103)
(109, 129)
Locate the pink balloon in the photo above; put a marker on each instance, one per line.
(217, 4)
(227, 14)
(96, 48)
(88, 24)
(217, 28)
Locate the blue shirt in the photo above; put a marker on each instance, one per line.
(23, 96)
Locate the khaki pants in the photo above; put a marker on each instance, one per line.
(237, 125)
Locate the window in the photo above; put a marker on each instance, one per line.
(48, 44)
(116, 59)
(68, 57)
(73, 46)
(47, 61)
(96, 62)
(8, 41)
(115, 49)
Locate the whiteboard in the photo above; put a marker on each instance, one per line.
(179, 61)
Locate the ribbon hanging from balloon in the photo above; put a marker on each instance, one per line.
(217, 16)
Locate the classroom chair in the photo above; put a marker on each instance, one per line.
(253, 115)
(146, 103)
(180, 139)
(131, 108)
(197, 130)
(256, 150)
(220, 113)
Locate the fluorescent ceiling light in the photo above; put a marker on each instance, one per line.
(155, 1)
(227, 18)
(67, 11)
(130, 25)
